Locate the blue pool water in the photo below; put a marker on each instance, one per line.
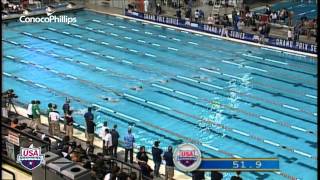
(231, 99)
(300, 9)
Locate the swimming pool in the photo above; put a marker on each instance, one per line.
(300, 9)
(231, 99)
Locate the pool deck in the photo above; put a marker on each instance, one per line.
(79, 137)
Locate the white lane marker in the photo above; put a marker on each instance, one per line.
(258, 69)
(119, 17)
(174, 49)
(127, 62)
(211, 85)
(7, 74)
(100, 31)
(105, 43)
(232, 76)
(21, 79)
(13, 42)
(162, 36)
(26, 62)
(95, 20)
(171, 29)
(176, 39)
(52, 29)
(110, 57)
(134, 97)
(92, 40)
(68, 59)
(81, 49)
(39, 66)
(236, 156)
(210, 147)
(79, 36)
(299, 128)
(185, 32)
(72, 77)
(54, 71)
(315, 114)
(279, 62)
(132, 50)
(43, 38)
(128, 117)
(162, 87)
(64, 32)
(148, 32)
(113, 34)
(290, 107)
(126, 37)
(209, 70)
(39, 85)
(268, 49)
(186, 94)
(54, 41)
(96, 53)
(311, 96)
(232, 63)
(159, 105)
(154, 44)
(190, 42)
(249, 55)
(110, 24)
(136, 30)
(55, 55)
(150, 55)
(75, 25)
(268, 119)
(132, 20)
(68, 45)
(186, 78)
(101, 69)
(89, 28)
(141, 41)
(28, 47)
(10, 57)
(198, 35)
(120, 47)
(272, 143)
(84, 63)
(302, 153)
(157, 26)
(216, 38)
(27, 33)
(123, 27)
(294, 54)
(240, 132)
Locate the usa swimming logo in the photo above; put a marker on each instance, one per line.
(187, 157)
(30, 158)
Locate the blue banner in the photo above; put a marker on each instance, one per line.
(276, 42)
(240, 164)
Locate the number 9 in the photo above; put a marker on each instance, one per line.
(258, 164)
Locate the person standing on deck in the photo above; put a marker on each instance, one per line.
(88, 116)
(128, 145)
(49, 120)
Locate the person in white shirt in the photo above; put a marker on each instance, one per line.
(196, 15)
(108, 142)
(102, 133)
(55, 117)
(210, 20)
(146, 5)
(29, 110)
(290, 34)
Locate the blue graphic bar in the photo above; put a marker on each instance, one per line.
(237, 164)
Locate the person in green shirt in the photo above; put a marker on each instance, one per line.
(49, 120)
(36, 114)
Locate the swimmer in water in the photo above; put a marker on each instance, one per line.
(201, 77)
(163, 81)
(249, 52)
(213, 68)
(136, 88)
(110, 99)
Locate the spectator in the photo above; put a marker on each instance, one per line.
(178, 13)
(234, 16)
(122, 176)
(196, 15)
(113, 174)
(174, 4)
(240, 25)
(201, 15)
(158, 10)
(146, 5)
(14, 123)
(290, 15)
(88, 116)
(29, 109)
(66, 109)
(273, 17)
(90, 130)
(210, 20)
(90, 149)
(36, 115)
(198, 175)
(54, 116)
(102, 134)
(115, 140)
(156, 154)
(49, 120)
(268, 10)
(69, 124)
(290, 34)
(142, 159)
(128, 145)
(267, 29)
(215, 175)
(168, 157)
(132, 176)
(296, 32)
(108, 143)
(237, 177)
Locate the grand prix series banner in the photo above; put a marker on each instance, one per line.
(277, 42)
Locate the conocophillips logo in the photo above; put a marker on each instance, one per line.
(30, 158)
(49, 19)
(187, 157)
